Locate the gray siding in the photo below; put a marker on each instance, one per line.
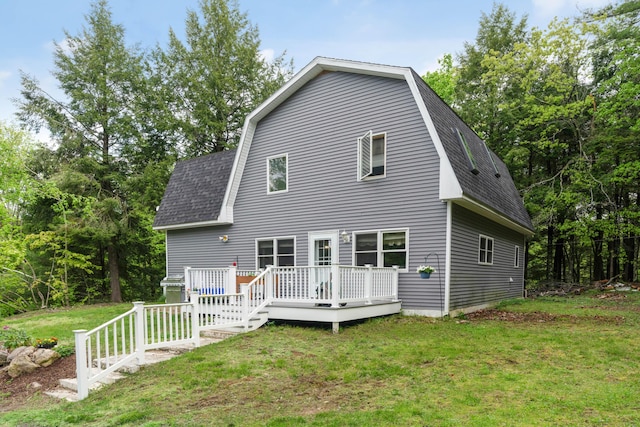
(473, 284)
(318, 128)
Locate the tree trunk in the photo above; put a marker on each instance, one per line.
(114, 272)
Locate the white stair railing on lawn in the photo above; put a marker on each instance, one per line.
(108, 347)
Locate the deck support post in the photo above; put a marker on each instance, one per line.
(139, 330)
(82, 371)
(336, 327)
(195, 318)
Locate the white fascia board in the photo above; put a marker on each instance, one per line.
(449, 186)
(191, 225)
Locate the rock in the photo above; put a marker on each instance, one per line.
(26, 350)
(44, 357)
(22, 364)
(35, 385)
(3, 357)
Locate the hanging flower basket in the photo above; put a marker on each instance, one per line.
(425, 271)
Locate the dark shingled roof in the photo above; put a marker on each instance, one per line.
(196, 190)
(498, 193)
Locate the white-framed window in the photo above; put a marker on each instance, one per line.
(278, 173)
(516, 257)
(381, 248)
(277, 251)
(372, 155)
(485, 250)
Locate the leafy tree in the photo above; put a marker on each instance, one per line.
(443, 80)
(101, 79)
(209, 83)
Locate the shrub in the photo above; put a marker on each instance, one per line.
(13, 338)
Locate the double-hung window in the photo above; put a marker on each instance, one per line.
(279, 252)
(381, 248)
(278, 173)
(372, 155)
(485, 250)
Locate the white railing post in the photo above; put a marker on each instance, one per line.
(187, 282)
(232, 280)
(195, 318)
(82, 371)
(335, 285)
(394, 289)
(268, 283)
(368, 281)
(140, 330)
(245, 308)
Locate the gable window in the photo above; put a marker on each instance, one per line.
(467, 150)
(277, 173)
(279, 252)
(381, 248)
(485, 250)
(516, 257)
(372, 155)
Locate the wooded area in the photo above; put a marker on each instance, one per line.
(560, 105)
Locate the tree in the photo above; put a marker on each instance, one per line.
(101, 79)
(443, 80)
(208, 84)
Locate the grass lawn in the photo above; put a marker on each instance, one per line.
(551, 361)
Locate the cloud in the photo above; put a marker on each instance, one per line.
(550, 8)
(267, 55)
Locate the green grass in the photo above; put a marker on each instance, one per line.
(579, 368)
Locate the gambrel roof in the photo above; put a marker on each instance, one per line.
(487, 189)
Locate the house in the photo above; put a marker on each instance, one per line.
(355, 164)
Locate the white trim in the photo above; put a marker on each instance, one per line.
(486, 249)
(332, 235)
(482, 210)
(379, 245)
(447, 262)
(275, 248)
(191, 225)
(286, 178)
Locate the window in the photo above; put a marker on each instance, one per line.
(516, 258)
(467, 150)
(372, 154)
(279, 252)
(485, 250)
(277, 173)
(381, 248)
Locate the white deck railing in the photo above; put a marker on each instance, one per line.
(215, 303)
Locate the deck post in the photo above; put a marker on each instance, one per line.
(394, 290)
(368, 280)
(82, 371)
(335, 286)
(335, 326)
(187, 282)
(139, 330)
(232, 280)
(195, 318)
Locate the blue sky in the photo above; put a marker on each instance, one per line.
(411, 33)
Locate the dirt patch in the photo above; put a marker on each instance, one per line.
(16, 393)
(537, 317)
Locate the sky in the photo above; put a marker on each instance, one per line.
(412, 33)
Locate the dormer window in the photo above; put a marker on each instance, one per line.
(372, 155)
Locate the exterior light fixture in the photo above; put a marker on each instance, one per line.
(346, 238)
(224, 239)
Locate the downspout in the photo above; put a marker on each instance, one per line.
(447, 263)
